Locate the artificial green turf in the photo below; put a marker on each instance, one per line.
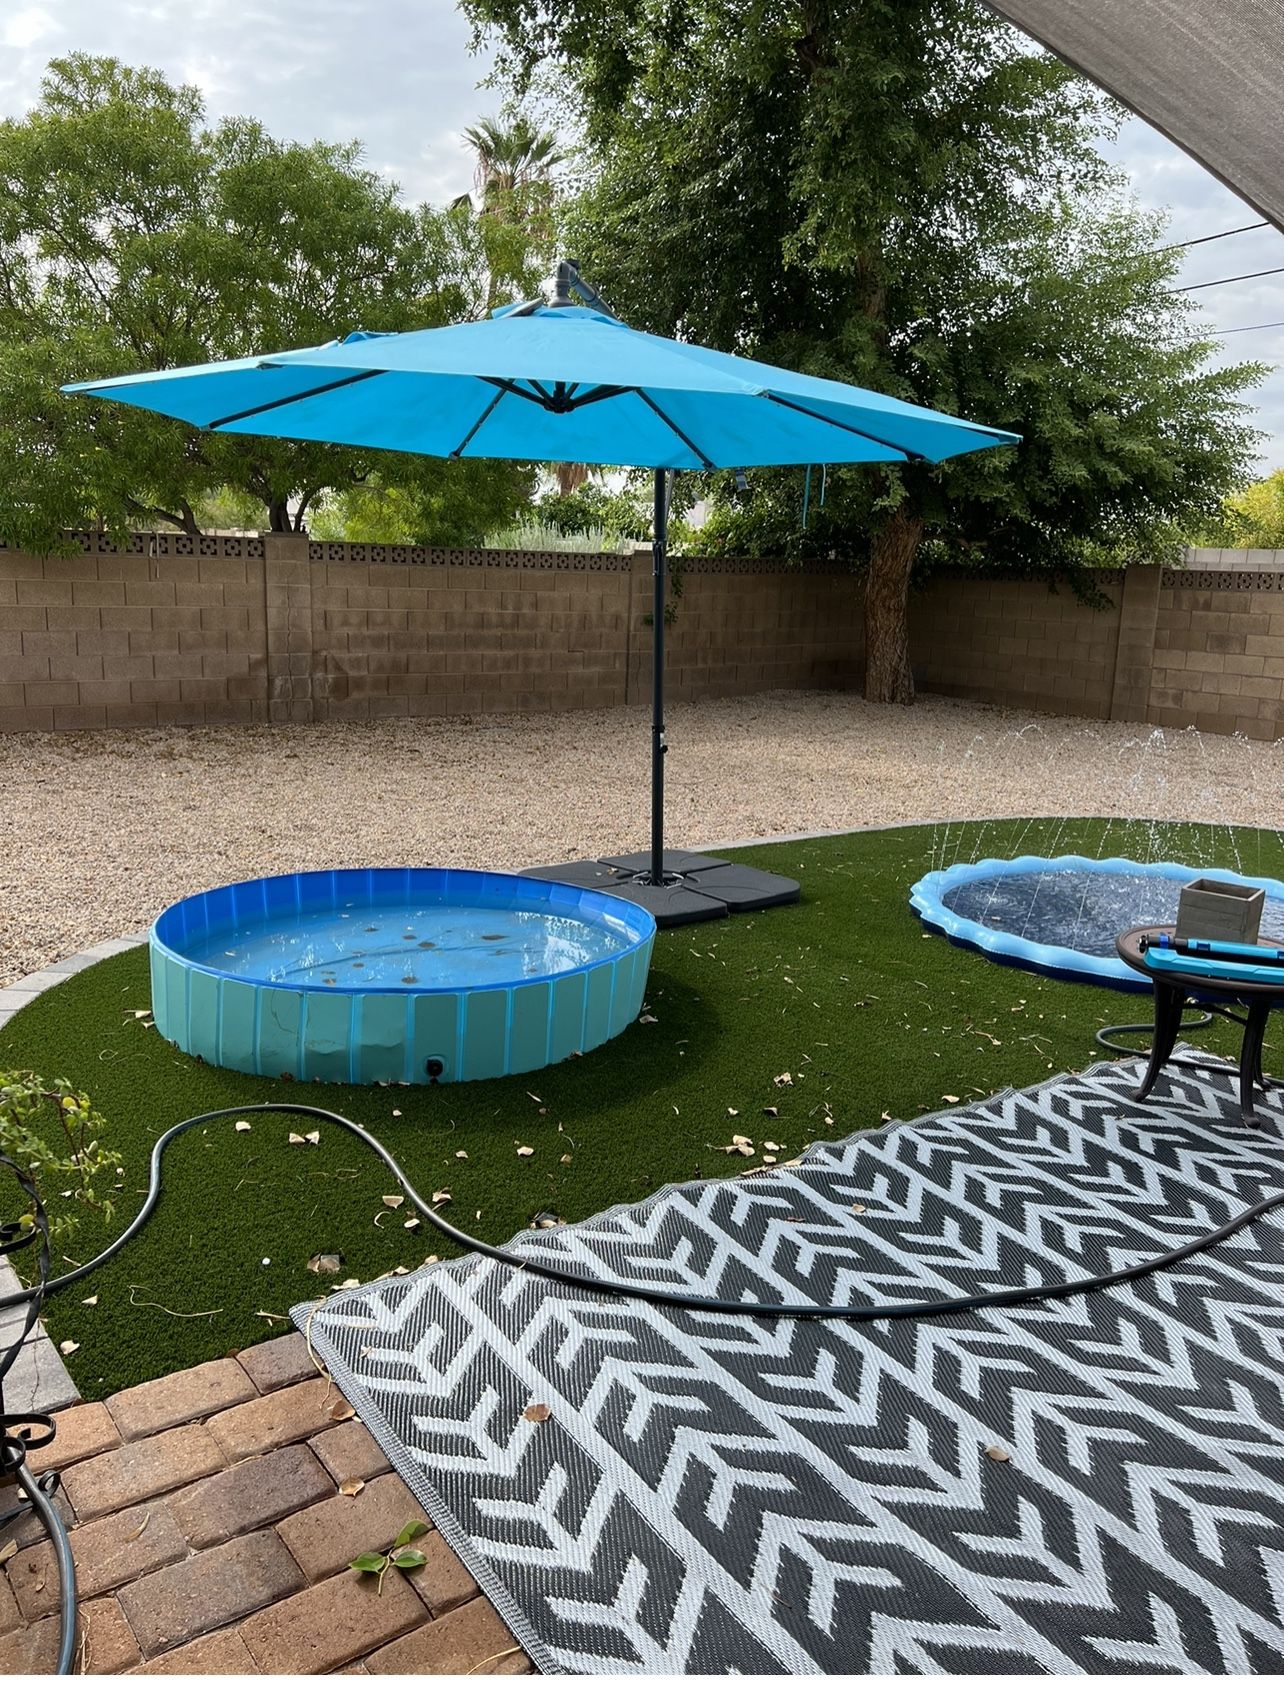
(844, 992)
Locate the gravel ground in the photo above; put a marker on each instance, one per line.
(99, 831)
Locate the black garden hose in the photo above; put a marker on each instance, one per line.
(42, 1500)
(608, 1288)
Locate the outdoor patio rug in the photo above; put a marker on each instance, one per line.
(714, 1494)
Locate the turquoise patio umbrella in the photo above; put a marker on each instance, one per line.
(555, 381)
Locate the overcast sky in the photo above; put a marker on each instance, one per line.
(398, 74)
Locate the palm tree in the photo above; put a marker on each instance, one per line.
(511, 180)
(510, 157)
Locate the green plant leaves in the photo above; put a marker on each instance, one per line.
(371, 1562)
(409, 1559)
(411, 1532)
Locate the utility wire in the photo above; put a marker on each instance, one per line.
(1215, 282)
(1217, 236)
(1235, 330)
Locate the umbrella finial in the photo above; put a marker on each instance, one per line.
(559, 292)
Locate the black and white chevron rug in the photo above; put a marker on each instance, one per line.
(713, 1494)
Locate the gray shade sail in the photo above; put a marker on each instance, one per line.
(1209, 74)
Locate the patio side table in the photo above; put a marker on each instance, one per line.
(1174, 990)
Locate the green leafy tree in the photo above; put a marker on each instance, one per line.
(620, 513)
(906, 195)
(451, 503)
(1252, 518)
(133, 235)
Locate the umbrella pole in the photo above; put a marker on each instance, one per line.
(659, 546)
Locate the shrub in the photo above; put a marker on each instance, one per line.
(49, 1131)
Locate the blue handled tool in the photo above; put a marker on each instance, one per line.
(1225, 950)
(1265, 973)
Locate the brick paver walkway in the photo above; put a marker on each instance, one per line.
(210, 1536)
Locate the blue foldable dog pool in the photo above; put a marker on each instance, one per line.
(397, 974)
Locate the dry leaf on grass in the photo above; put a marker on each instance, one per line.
(326, 1263)
(394, 1200)
(525, 1150)
(242, 1127)
(537, 1413)
(91, 1300)
(411, 1222)
(770, 1110)
(441, 1196)
(648, 1020)
(68, 1347)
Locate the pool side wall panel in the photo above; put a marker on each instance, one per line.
(374, 1037)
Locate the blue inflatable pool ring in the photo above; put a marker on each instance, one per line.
(408, 975)
(1060, 915)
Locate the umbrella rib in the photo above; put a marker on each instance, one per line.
(508, 386)
(567, 402)
(854, 430)
(286, 400)
(677, 431)
(481, 419)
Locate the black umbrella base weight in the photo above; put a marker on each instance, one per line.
(696, 888)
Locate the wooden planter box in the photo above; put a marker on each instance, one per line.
(1216, 909)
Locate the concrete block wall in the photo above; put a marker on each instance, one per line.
(1200, 645)
(1018, 643)
(172, 630)
(744, 626)
(1219, 653)
(152, 636)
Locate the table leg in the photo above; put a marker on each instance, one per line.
(1169, 1003)
(1250, 1059)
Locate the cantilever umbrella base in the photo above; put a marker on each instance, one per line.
(696, 888)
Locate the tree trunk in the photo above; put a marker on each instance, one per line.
(570, 475)
(279, 514)
(891, 556)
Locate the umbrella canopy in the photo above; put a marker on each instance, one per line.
(559, 382)
(539, 382)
